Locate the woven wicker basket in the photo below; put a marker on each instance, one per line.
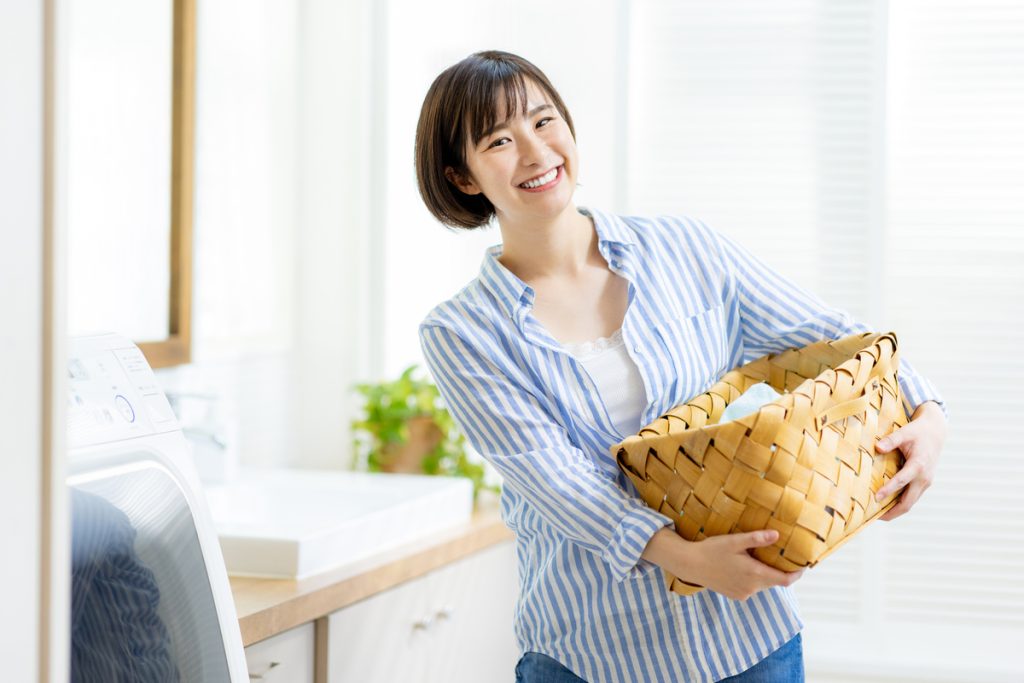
(799, 465)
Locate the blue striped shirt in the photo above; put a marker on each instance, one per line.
(699, 305)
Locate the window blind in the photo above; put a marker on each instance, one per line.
(872, 151)
(954, 245)
(758, 118)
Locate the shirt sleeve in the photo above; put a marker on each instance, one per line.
(509, 427)
(777, 314)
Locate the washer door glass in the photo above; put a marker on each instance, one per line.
(141, 604)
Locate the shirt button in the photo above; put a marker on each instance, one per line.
(636, 348)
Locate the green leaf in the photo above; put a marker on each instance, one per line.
(387, 408)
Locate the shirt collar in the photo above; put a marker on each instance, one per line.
(610, 227)
(515, 296)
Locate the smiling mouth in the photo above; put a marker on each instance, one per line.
(542, 180)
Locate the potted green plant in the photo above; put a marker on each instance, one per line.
(406, 428)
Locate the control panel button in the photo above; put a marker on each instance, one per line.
(125, 408)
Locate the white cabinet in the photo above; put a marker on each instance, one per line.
(473, 603)
(284, 658)
(452, 625)
(381, 638)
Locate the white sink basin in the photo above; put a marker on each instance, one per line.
(287, 523)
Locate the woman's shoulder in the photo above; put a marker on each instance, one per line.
(664, 237)
(471, 307)
(472, 324)
(641, 226)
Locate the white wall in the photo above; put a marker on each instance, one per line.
(34, 575)
(336, 311)
(21, 223)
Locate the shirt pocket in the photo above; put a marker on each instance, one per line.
(694, 354)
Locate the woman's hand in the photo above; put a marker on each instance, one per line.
(721, 563)
(921, 441)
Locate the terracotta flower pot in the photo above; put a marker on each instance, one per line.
(424, 435)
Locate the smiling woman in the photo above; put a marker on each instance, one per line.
(496, 143)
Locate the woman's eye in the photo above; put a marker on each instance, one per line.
(545, 121)
(498, 143)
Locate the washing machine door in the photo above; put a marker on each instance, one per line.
(150, 598)
(144, 605)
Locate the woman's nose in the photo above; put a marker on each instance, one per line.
(533, 150)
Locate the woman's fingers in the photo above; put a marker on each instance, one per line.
(910, 496)
(789, 578)
(770, 576)
(904, 476)
(757, 539)
(725, 564)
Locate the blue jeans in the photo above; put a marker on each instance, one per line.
(785, 665)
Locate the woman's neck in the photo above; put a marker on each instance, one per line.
(557, 249)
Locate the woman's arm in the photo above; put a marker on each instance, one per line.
(509, 427)
(776, 314)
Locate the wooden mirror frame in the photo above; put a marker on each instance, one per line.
(177, 348)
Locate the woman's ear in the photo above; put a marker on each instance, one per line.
(465, 185)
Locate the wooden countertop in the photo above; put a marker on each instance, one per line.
(267, 607)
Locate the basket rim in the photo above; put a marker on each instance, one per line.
(871, 342)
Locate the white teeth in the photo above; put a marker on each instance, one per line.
(543, 180)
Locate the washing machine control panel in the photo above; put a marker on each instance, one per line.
(112, 392)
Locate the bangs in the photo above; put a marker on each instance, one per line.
(501, 89)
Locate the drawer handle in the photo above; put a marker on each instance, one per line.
(446, 612)
(259, 676)
(424, 624)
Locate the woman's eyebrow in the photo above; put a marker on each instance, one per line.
(504, 124)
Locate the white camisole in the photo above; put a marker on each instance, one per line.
(617, 378)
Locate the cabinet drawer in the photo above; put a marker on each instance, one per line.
(380, 639)
(452, 625)
(285, 658)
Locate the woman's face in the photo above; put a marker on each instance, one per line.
(527, 165)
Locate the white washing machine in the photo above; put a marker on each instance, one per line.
(150, 596)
